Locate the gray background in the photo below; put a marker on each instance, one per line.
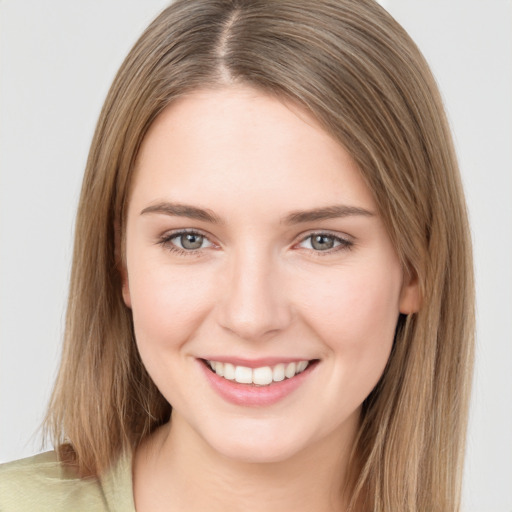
(57, 59)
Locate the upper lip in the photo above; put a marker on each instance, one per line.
(256, 363)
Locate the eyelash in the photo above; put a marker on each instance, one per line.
(343, 243)
(166, 242)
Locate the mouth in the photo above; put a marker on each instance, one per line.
(259, 376)
(257, 383)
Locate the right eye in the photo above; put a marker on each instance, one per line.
(185, 242)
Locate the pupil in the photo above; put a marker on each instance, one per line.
(191, 241)
(322, 242)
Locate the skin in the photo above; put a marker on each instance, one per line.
(256, 288)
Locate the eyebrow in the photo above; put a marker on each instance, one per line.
(183, 210)
(328, 212)
(296, 217)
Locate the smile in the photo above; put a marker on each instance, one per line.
(262, 376)
(256, 383)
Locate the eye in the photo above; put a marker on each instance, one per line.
(323, 242)
(185, 241)
(189, 241)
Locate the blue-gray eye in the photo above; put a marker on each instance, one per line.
(184, 242)
(324, 242)
(190, 241)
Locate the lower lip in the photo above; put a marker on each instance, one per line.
(254, 396)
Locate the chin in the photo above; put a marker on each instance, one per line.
(258, 453)
(258, 444)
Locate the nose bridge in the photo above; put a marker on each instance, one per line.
(254, 304)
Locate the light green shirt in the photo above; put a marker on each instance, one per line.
(41, 483)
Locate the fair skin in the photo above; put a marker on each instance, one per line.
(253, 240)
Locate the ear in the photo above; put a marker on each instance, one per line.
(125, 287)
(121, 265)
(410, 295)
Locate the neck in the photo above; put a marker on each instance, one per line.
(175, 469)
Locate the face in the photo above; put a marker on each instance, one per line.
(264, 288)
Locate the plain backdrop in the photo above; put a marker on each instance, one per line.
(57, 59)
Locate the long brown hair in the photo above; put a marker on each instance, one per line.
(352, 66)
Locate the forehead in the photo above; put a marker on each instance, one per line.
(240, 141)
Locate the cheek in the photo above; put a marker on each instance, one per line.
(355, 314)
(168, 307)
(167, 303)
(356, 321)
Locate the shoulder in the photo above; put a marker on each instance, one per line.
(42, 483)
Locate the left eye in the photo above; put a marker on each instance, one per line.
(190, 241)
(323, 242)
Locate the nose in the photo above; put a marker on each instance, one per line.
(254, 304)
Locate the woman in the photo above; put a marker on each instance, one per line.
(272, 273)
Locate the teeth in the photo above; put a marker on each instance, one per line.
(262, 376)
(278, 373)
(243, 375)
(301, 366)
(229, 371)
(291, 369)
